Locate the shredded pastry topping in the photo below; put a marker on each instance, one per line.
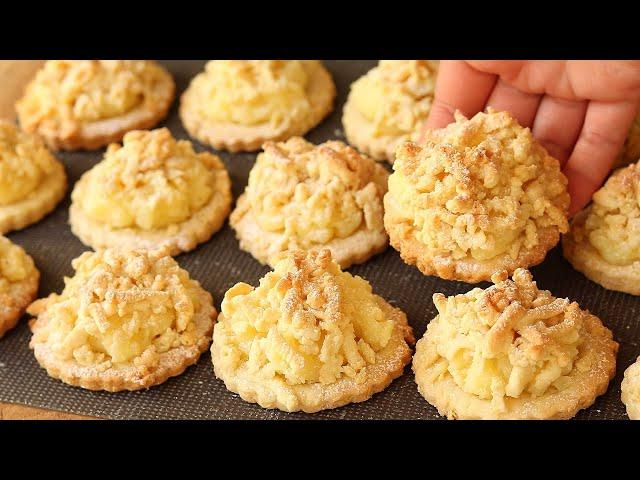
(509, 340)
(24, 163)
(73, 91)
(15, 266)
(396, 95)
(151, 181)
(481, 188)
(307, 322)
(252, 92)
(120, 308)
(314, 194)
(613, 222)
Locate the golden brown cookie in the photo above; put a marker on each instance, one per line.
(85, 104)
(237, 105)
(309, 337)
(631, 390)
(18, 283)
(303, 196)
(388, 106)
(127, 320)
(151, 191)
(478, 197)
(512, 351)
(32, 180)
(604, 241)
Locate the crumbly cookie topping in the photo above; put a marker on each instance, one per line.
(15, 266)
(313, 194)
(151, 181)
(75, 91)
(396, 95)
(252, 92)
(480, 188)
(509, 340)
(120, 308)
(24, 163)
(613, 222)
(307, 322)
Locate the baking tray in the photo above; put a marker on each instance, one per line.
(219, 264)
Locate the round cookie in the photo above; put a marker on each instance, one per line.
(85, 104)
(388, 105)
(478, 197)
(512, 351)
(237, 105)
(32, 180)
(303, 196)
(18, 283)
(310, 337)
(151, 191)
(604, 241)
(127, 320)
(631, 390)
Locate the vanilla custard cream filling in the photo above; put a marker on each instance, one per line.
(253, 92)
(314, 193)
(496, 346)
(149, 182)
(306, 322)
(24, 164)
(613, 222)
(123, 309)
(480, 189)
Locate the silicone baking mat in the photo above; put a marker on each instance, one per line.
(219, 264)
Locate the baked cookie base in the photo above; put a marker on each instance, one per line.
(37, 204)
(241, 138)
(114, 379)
(360, 134)
(178, 238)
(264, 246)
(586, 259)
(311, 398)
(467, 269)
(14, 303)
(454, 403)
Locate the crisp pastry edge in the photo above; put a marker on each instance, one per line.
(633, 408)
(315, 397)
(38, 203)
(26, 294)
(587, 260)
(359, 133)
(354, 249)
(466, 270)
(453, 402)
(96, 134)
(171, 363)
(240, 138)
(197, 229)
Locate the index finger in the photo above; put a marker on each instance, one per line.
(459, 87)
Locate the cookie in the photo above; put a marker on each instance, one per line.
(237, 105)
(310, 337)
(126, 320)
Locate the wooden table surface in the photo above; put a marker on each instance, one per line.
(10, 411)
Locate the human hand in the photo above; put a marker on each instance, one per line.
(580, 110)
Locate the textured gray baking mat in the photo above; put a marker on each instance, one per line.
(218, 264)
